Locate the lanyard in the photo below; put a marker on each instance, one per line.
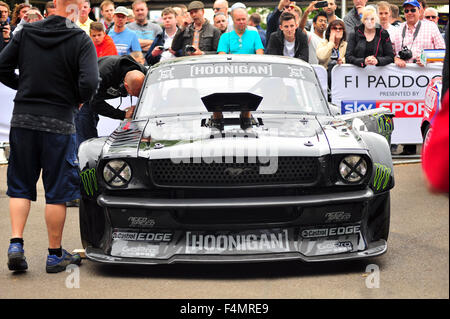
(415, 33)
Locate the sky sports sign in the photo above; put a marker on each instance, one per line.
(401, 109)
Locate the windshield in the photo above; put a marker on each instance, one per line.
(175, 90)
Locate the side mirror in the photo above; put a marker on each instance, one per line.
(334, 109)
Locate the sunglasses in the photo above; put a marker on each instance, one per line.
(289, 7)
(410, 10)
(430, 17)
(337, 29)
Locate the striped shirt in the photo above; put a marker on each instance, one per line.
(428, 37)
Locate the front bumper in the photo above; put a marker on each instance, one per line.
(231, 203)
(165, 231)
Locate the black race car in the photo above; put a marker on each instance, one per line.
(299, 182)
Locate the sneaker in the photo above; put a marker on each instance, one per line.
(16, 257)
(57, 264)
(409, 149)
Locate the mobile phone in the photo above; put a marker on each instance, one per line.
(32, 16)
(160, 47)
(321, 4)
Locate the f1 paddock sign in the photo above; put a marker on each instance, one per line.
(402, 90)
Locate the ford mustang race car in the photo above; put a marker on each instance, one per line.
(300, 182)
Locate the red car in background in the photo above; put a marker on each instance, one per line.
(432, 106)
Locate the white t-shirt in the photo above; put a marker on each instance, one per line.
(166, 55)
(289, 48)
(313, 42)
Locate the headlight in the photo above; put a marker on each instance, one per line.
(117, 173)
(353, 168)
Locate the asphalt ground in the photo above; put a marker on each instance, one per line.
(416, 264)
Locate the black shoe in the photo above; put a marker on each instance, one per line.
(57, 264)
(16, 258)
(409, 150)
(246, 123)
(218, 124)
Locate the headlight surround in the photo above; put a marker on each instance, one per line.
(353, 169)
(117, 173)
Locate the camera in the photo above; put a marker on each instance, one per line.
(405, 54)
(190, 49)
(2, 25)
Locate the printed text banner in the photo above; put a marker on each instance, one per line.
(400, 89)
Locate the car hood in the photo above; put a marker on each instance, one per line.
(186, 137)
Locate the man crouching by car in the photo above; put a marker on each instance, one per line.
(120, 76)
(58, 70)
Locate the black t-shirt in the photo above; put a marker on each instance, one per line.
(370, 48)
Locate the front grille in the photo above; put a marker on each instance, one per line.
(200, 173)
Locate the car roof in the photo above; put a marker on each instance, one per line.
(238, 58)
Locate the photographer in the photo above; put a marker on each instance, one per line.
(200, 37)
(32, 15)
(5, 28)
(415, 35)
(412, 37)
(159, 49)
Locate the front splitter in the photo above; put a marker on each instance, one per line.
(374, 249)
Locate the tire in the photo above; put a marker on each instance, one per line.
(92, 223)
(381, 224)
(426, 135)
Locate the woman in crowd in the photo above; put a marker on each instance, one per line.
(31, 15)
(18, 13)
(369, 44)
(332, 51)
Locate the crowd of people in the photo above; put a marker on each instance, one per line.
(87, 62)
(368, 34)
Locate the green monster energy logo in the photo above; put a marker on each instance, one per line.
(382, 175)
(384, 124)
(89, 181)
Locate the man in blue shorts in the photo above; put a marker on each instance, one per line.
(126, 41)
(58, 71)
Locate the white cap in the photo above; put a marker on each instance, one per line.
(238, 5)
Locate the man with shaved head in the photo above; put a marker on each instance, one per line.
(120, 76)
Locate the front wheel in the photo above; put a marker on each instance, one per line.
(426, 135)
(381, 224)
